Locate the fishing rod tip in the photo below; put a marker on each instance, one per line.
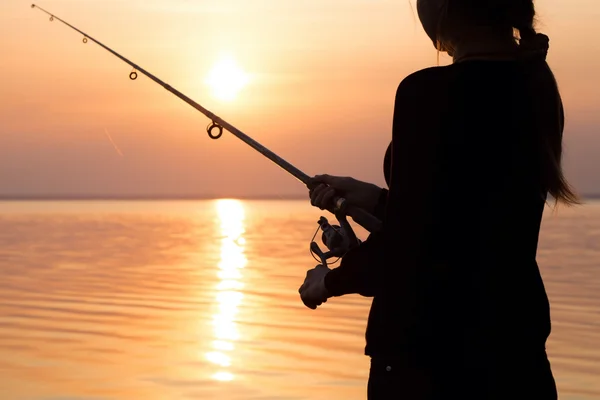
(33, 6)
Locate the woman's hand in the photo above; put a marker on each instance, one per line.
(313, 291)
(323, 188)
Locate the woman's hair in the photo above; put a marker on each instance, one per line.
(518, 16)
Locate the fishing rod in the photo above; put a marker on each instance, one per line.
(215, 131)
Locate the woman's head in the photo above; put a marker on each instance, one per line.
(448, 22)
(452, 24)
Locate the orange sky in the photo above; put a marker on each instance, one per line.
(323, 77)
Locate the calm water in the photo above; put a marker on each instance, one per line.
(198, 300)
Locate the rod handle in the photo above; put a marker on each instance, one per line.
(359, 215)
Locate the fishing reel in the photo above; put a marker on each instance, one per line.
(339, 239)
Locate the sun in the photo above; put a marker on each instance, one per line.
(226, 78)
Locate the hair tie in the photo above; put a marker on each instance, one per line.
(534, 47)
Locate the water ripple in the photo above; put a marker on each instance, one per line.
(186, 300)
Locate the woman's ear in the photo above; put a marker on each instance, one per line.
(431, 14)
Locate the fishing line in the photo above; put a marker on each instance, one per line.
(215, 131)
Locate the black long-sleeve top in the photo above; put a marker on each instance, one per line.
(453, 272)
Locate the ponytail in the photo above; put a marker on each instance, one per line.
(533, 49)
(519, 15)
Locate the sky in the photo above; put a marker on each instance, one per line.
(320, 77)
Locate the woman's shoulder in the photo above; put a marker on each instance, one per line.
(424, 83)
(426, 77)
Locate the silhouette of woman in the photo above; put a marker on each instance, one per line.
(459, 306)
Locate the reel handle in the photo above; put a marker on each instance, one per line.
(314, 247)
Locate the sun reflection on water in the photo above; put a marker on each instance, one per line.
(231, 216)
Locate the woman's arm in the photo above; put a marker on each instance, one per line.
(411, 202)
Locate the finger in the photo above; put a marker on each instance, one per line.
(325, 178)
(317, 189)
(311, 189)
(322, 196)
(327, 197)
(314, 304)
(317, 199)
(306, 296)
(321, 192)
(335, 181)
(315, 194)
(311, 301)
(312, 183)
(308, 302)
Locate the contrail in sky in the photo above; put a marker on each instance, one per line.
(113, 143)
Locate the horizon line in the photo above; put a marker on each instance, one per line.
(77, 197)
(144, 197)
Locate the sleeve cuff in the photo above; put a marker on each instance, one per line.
(334, 282)
(349, 277)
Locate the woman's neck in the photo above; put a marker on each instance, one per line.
(484, 46)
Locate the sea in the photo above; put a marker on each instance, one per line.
(198, 299)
